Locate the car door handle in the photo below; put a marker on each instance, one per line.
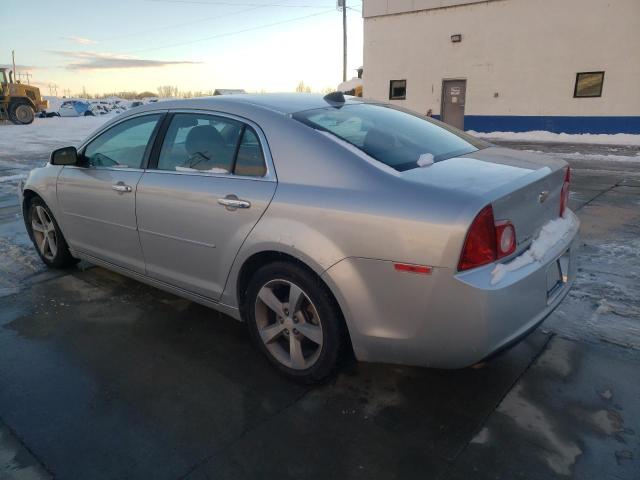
(231, 202)
(121, 187)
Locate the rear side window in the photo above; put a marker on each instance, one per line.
(199, 143)
(250, 161)
(210, 144)
(123, 145)
(391, 135)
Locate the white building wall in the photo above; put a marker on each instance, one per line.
(527, 51)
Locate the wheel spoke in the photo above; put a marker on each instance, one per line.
(295, 352)
(295, 297)
(36, 227)
(312, 332)
(270, 300)
(271, 332)
(41, 215)
(51, 241)
(43, 245)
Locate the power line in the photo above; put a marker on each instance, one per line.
(176, 25)
(257, 27)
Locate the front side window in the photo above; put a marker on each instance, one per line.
(123, 145)
(398, 90)
(209, 144)
(391, 135)
(588, 84)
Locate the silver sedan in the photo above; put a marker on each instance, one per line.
(327, 224)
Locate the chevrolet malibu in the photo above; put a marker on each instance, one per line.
(326, 224)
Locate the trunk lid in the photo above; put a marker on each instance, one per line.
(522, 187)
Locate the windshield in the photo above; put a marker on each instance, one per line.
(3, 77)
(392, 136)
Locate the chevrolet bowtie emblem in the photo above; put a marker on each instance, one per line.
(543, 196)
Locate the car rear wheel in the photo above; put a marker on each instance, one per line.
(294, 321)
(21, 113)
(46, 236)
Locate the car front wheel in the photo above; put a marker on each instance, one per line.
(295, 321)
(46, 236)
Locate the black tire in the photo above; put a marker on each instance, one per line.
(62, 257)
(330, 319)
(21, 112)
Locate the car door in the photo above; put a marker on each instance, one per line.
(212, 179)
(98, 199)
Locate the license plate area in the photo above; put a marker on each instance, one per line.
(557, 275)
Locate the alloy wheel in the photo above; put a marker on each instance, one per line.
(288, 324)
(44, 232)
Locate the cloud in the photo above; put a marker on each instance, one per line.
(103, 61)
(19, 67)
(80, 40)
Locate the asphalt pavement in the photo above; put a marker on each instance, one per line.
(102, 377)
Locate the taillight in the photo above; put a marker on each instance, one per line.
(564, 193)
(487, 241)
(480, 244)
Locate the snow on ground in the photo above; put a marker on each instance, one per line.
(589, 157)
(44, 134)
(13, 178)
(23, 147)
(542, 136)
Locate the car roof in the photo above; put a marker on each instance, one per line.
(284, 103)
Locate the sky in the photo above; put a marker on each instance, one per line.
(198, 45)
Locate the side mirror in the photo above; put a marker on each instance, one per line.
(64, 156)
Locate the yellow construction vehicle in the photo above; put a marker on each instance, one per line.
(19, 102)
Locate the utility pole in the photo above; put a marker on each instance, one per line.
(344, 40)
(13, 59)
(26, 75)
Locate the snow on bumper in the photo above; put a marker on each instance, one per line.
(553, 233)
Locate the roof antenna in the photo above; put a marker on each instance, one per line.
(335, 97)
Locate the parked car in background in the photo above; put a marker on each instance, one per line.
(136, 103)
(325, 223)
(77, 108)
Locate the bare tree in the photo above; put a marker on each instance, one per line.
(167, 91)
(302, 88)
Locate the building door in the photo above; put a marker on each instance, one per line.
(453, 100)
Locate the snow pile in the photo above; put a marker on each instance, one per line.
(350, 85)
(551, 234)
(425, 160)
(543, 136)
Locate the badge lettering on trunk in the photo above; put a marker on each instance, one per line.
(542, 197)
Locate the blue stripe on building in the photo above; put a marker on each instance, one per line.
(557, 124)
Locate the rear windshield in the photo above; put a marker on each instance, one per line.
(392, 136)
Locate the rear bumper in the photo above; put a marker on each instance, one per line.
(446, 319)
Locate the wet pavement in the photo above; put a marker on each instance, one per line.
(102, 377)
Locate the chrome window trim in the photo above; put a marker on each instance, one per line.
(270, 176)
(117, 169)
(109, 126)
